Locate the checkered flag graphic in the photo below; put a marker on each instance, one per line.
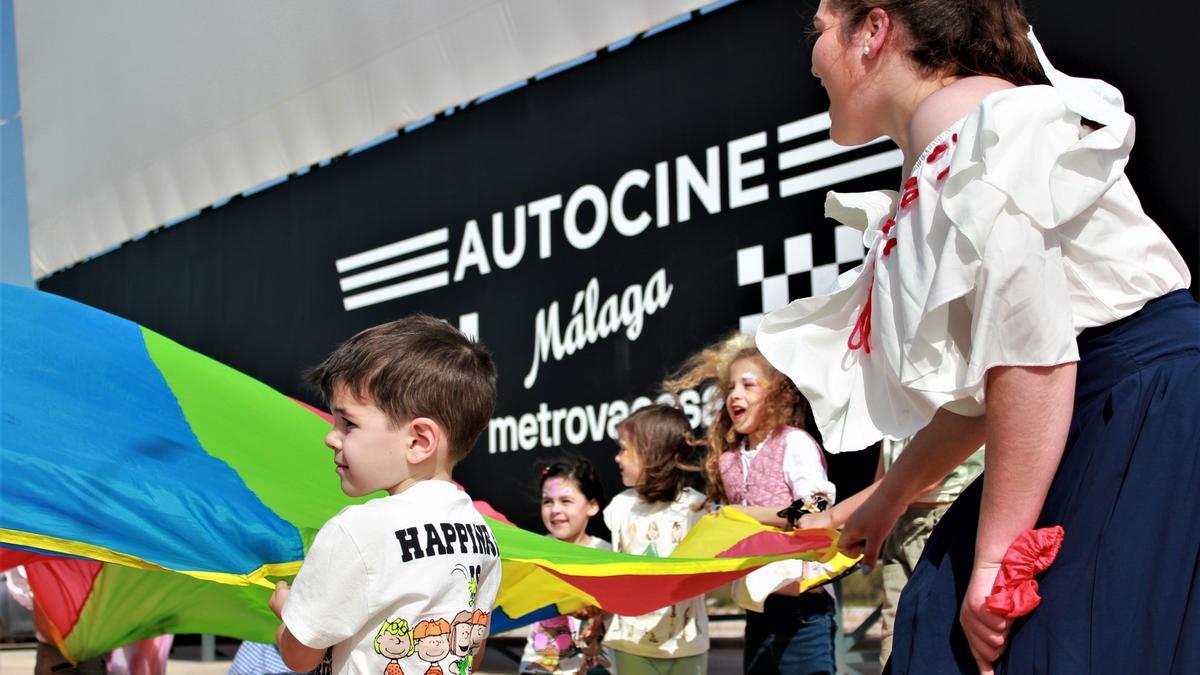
(802, 274)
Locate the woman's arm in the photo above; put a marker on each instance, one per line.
(1029, 414)
(943, 444)
(836, 516)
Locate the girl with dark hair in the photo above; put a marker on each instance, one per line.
(1015, 293)
(761, 460)
(650, 518)
(571, 494)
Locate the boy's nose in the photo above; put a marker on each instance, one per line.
(333, 440)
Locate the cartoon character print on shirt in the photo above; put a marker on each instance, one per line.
(651, 536)
(432, 643)
(460, 643)
(479, 629)
(467, 633)
(553, 642)
(471, 573)
(662, 534)
(394, 641)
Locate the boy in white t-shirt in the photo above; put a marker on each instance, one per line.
(384, 582)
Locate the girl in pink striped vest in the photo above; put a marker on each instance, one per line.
(761, 460)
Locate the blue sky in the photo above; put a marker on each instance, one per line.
(14, 214)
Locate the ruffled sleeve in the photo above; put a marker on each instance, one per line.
(964, 273)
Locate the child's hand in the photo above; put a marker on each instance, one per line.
(279, 598)
(593, 633)
(586, 613)
(813, 521)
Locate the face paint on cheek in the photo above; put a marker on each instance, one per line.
(753, 386)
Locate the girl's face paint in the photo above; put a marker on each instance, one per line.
(629, 462)
(565, 511)
(744, 401)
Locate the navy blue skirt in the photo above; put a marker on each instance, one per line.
(1124, 594)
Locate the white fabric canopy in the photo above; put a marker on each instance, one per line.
(138, 112)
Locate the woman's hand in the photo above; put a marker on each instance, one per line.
(933, 453)
(987, 633)
(869, 525)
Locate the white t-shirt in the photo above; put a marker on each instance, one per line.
(654, 529)
(554, 645)
(400, 584)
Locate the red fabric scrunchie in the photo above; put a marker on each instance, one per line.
(1015, 592)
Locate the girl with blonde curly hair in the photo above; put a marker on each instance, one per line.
(761, 460)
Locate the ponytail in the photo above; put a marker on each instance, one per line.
(959, 37)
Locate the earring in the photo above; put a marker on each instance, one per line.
(866, 50)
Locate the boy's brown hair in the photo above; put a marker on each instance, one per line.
(663, 440)
(413, 367)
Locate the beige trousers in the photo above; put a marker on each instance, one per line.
(899, 556)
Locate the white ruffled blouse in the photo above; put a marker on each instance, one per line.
(1015, 230)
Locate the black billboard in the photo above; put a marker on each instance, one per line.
(592, 228)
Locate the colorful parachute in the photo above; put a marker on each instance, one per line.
(198, 485)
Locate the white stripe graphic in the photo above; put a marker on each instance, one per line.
(866, 166)
(823, 149)
(802, 127)
(410, 287)
(393, 250)
(791, 159)
(418, 264)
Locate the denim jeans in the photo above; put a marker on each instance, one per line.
(792, 635)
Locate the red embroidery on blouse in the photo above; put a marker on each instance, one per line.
(860, 337)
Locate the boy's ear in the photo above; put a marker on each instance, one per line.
(593, 508)
(425, 438)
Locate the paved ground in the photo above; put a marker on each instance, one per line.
(725, 658)
(721, 661)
